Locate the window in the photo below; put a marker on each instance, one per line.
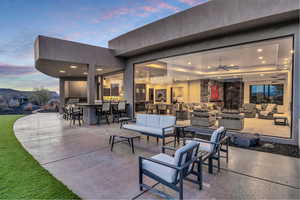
(260, 94)
(252, 82)
(113, 89)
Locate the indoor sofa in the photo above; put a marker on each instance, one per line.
(159, 126)
(268, 112)
(249, 109)
(232, 121)
(203, 118)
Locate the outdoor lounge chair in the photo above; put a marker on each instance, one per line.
(169, 171)
(212, 147)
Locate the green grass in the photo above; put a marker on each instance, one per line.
(21, 176)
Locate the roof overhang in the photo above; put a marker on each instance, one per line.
(211, 19)
(55, 57)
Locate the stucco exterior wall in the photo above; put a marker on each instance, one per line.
(210, 19)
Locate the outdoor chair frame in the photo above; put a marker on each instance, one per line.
(182, 171)
(221, 146)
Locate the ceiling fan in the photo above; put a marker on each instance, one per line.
(226, 67)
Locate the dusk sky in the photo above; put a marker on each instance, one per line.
(89, 21)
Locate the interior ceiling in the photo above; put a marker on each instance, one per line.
(268, 59)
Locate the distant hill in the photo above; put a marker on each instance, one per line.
(10, 93)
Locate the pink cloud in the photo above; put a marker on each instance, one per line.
(141, 11)
(164, 5)
(149, 9)
(14, 70)
(193, 2)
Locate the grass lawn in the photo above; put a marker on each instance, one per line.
(21, 177)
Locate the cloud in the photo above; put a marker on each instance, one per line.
(193, 2)
(14, 70)
(152, 6)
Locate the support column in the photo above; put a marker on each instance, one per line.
(90, 112)
(61, 94)
(129, 87)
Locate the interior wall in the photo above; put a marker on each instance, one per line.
(76, 89)
(191, 90)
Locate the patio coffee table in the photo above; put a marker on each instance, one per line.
(123, 138)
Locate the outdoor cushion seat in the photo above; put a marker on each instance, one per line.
(209, 146)
(161, 171)
(167, 173)
(205, 147)
(149, 130)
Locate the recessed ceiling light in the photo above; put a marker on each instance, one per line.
(62, 71)
(189, 63)
(260, 57)
(99, 69)
(263, 62)
(259, 50)
(73, 67)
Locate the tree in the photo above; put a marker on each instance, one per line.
(40, 96)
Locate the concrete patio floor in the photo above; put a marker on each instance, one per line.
(80, 157)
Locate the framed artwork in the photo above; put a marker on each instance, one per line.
(215, 91)
(161, 95)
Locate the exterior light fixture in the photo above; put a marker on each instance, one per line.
(259, 50)
(62, 71)
(189, 63)
(99, 69)
(208, 67)
(263, 62)
(292, 51)
(85, 73)
(260, 57)
(73, 67)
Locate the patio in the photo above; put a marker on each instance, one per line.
(80, 157)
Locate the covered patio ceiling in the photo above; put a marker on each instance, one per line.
(61, 58)
(69, 69)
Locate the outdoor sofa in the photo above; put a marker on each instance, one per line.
(159, 126)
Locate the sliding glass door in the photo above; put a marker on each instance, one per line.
(246, 88)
